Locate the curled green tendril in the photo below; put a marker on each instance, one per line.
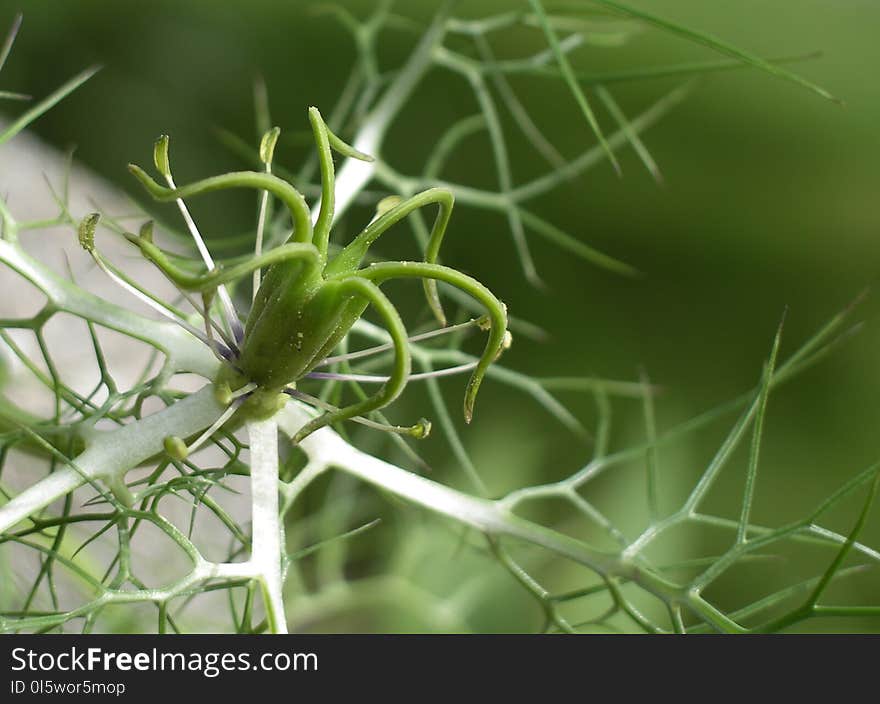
(305, 304)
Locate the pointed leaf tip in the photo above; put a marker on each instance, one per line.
(145, 179)
(470, 398)
(146, 231)
(336, 143)
(716, 44)
(10, 38)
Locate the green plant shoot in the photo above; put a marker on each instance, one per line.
(307, 301)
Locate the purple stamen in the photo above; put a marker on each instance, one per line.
(378, 379)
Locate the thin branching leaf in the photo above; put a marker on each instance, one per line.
(571, 81)
(46, 104)
(716, 44)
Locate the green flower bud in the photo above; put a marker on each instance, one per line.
(422, 429)
(176, 448)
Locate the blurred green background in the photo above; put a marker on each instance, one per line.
(769, 203)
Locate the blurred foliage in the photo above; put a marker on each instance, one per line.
(767, 203)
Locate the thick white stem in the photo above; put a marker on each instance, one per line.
(111, 454)
(266, 547)
(326, 448)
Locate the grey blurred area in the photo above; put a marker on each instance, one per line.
(32, 175)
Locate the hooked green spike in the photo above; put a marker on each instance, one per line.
(146, 231)
(346, 149)
(86, 231)
(267, 145)
(422, 429)
(470, 394)
(282, 190)
(176, 448)
(497, 311)
(470, 397)
(500, 342)
(389, 213)
(339, 146)
(160, 155)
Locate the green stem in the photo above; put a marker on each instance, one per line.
(287, 194)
